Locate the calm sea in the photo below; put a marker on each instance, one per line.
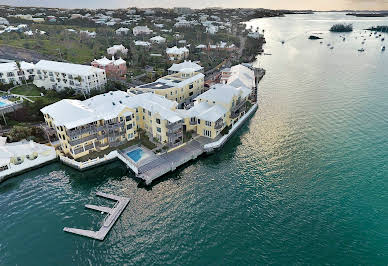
(304, 181)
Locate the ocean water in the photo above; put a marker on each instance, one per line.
(304, 181)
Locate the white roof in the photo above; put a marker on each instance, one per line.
(21, 148)
(158, 38)
(9, 67)
(184, 65)
(176, 50)
(74, 113)
(103, 61)
(68, 68)
(223, 93)
(241, 76)
(205, 111)
(181, 83)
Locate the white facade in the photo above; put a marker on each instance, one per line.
(59, 75)
(9, 72)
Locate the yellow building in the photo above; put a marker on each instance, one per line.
(181, 87)
(112, 119)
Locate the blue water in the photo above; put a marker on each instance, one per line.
(303, 182)
(136, 155)
(2, 104)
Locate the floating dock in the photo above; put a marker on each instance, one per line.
(113, 214)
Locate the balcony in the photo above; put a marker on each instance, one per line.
(219, 125)
(193, 123)
(174, 133)
(234, 115)
(238, 106)
(77, 132)
(82, 140)
(174, 126)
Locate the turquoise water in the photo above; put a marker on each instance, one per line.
(135, 155)
(304, 181)
(2, 104)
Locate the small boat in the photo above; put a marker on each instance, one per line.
(331, 48)
(320, 42)
(328, 44)
(282, 42)
(383, 48)
(361, 50)
(382, 39)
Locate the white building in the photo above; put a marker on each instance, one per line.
(142, 43)
(177, 54)
(117, 48)
(3, 21)
(141, 30)
(122, 31)
(176, 68)
(10, 73)
(59, 75)
(158, 39)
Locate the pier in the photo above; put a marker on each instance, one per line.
(113, 214)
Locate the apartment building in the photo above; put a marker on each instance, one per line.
(232, 102)
(181, 87)
(11, 73)
(111, 119)
(59, 75)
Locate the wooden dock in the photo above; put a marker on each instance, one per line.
(113, 214)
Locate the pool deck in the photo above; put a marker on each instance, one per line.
(113, 214)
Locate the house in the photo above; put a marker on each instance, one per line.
(58, 75)
(122, 31)
(112, 119)
(241, 75)
(87, 34)
(3, 21)
(176, 68)
(115, 68)
(10, 72)
(158, 39)
(181, 87)
(140, 30)
(142, 43)
(255, 35)
(117, 49)
(177, 54)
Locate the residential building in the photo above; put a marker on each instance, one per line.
(177, 54)
(122, 31)
(112, 119)
(158, 39)
(3, 21)
(232, 99)
(115, 68)
(176, 68)
(59, 75)
(10, 72)
(139, 30)
(181, 87)
(117, 49)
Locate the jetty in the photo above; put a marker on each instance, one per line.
(113, 214)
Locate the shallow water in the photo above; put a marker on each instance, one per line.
(304, 181)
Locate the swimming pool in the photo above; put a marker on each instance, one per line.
(2, 104)
(136, 155)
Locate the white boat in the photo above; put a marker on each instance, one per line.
(383, 48)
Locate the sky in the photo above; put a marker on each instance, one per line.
(270, 4)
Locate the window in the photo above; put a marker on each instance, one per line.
(158, 121)
(129, 126)
(208, 123)
(207, 133)
(128, 118)
(199, 121)
(159, 129)
(191, 86)
(149, 113)
(191, 93)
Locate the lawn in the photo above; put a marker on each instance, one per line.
(27, 90)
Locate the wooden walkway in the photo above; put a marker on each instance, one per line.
(113, 214)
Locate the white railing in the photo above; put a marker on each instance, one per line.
(92, 162)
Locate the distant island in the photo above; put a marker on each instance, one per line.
(342, 28)
(313, 37)
(379, 28)
(374, 14)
